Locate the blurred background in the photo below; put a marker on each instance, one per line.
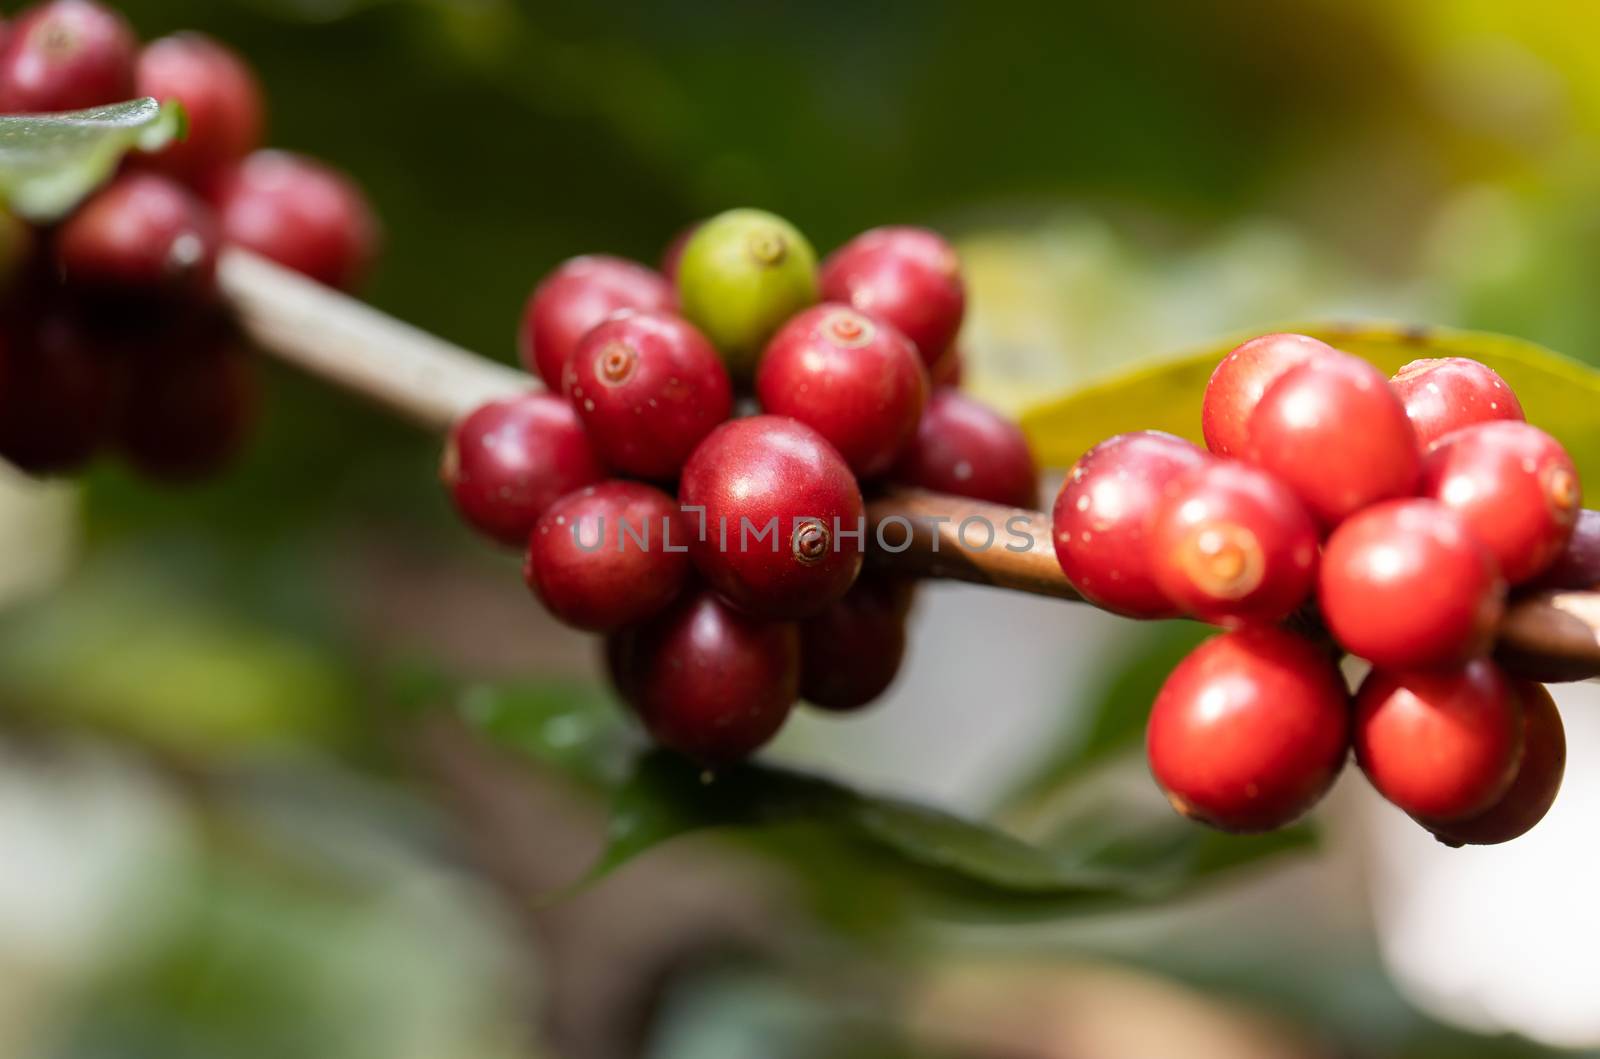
(235, 821)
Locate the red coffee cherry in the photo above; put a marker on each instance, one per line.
(851, 652)
(1439, 743)
(1532, 792)
(674, 251)
(907, 277)
(144, 233)
(579, 294)
(966, 448)
(779, 510)
(509, 460)
(58, 397)
(949, 369)
(1232, 545)
(1250, 730)
(649, 388)
(608, 555)
(66, 55)
(220, 97)
(1578, 566)
(1515, 487)
(857, 382)
(707, 681)
(1104, 516)
(299, 213)
(1239, 381)
(1448, 393)
(1406, 584)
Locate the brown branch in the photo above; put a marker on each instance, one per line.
(1552, 635)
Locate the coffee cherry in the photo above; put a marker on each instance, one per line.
(1439, 743)
(1578, 566)
(1231, 545)
(673, 253)
(1532, 792)
(1335, 433)
(608, 555)
(509, 460)
(1104, 515)
(966, 448)
(851, 652)
(580, 293)
(1239, 381)
(1250, 730)
(907, 277)
(741, 275)
(707, 681)
(949, 369)
(66, 55)
(58, 396)
(857, 382)
(144, 234)
(776, 505)
(1448, 393)
(221, 99)
(1406, 584)
(16, 248)
(299, 213)
(1515, 487)
(649, 388)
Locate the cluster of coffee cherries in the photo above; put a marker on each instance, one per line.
(721, 554)
(111, 332)
(1337, 512)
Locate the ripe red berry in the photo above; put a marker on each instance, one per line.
(1405, 584)
(949, 369)
(1578, 566)
(1515, 487)
(299, 213)
(1448, 393)
(144, 233)
(66, 55)
(58, 397)
(857, 382)
(1439, 743)
(1335, 433)
(1239, 381)
(674, 251)
(1104, 515)
(907, 277)
(649, 388)
(851, 652)
(608, 555)
(1532, 792)
(1250, 730)
(191, 398)
(707, 681)
(509, 460)
(577, 295)
(221, 99)
(966, 448)
(775, 514)
(1232, 545)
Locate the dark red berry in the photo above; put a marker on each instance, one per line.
(966, 448)
(577, 295)
(509, 460)
(857, 382)
(1405, 584)
(851, 652)
(707, 681)
(674, 251)
(1232, 545)
(1239, 381)
(1250, 730)
(1448, 393)
(221, 99)
(1104, 515)
(58, 398)
(1515, 486)
(1532, 792)
(66, 55)
(144, 233)
(299, 213)
(907, 277)
(1578, 566)
(1439, 743)
(949, 369)
(775, 513)
(190, 400)
(608, 555)
(1335, 433)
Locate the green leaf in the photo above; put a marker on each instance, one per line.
(50, 162)
(1558, 393)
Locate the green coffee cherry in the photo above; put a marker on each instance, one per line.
(742, 274)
